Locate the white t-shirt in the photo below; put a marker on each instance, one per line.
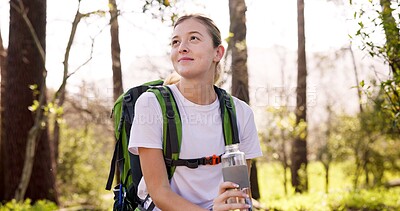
(202, 136)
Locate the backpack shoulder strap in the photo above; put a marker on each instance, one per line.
(123, 113)
(172, 126)
(118, 114)
(228, 115)
(132, 95)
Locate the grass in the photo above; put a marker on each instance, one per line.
(340, 194)
(41, 205)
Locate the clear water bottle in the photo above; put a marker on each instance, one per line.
(234, 169)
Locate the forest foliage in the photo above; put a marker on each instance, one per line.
(354, 158)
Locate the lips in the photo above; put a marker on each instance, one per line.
(185, 59)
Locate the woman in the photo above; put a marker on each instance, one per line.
(196, 51)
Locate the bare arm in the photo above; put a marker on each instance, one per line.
(248, 161)
(156, 178)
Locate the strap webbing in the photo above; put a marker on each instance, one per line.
(121, 160)
(232, 116)
(230, 129)
(172, 135)
(112, 169)
(151, 207)
(172, 128)
(194, 163)
(116, 155)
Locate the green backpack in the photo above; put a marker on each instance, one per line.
(130, 173)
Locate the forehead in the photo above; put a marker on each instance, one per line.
(188, 26)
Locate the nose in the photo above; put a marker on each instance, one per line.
(183, 48)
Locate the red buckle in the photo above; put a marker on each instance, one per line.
(214, 160)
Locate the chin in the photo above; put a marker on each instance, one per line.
(184, 71)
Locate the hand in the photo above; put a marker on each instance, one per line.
(227, 190)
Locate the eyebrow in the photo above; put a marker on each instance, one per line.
(191, 32)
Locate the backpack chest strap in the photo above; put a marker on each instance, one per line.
(194, 163)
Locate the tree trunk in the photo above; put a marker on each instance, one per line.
(284, 160)
(365, 167)
(325, 153)
(240, 77)
(326, 178)
(299, 147)
(392, 46)
(115, 57)
(3, 57)
(392, 37)
(115, 50)
(25, 67)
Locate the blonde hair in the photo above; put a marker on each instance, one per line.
(172, 78)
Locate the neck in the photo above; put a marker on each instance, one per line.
(198, 93)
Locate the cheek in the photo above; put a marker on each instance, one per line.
(173, 58)
(172, 55)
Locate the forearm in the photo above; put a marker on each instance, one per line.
(248, 161)
(156, 178)
(165, 199)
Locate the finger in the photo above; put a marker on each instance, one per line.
(227, 185)
(234, 206)
(235, 198)
(232, 193)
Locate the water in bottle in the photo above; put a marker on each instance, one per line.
(234, 169)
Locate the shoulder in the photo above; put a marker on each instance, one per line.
(145, 96)
(147, 99)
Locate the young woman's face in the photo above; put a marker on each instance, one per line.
(193, 54)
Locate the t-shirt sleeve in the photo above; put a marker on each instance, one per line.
(248, 135)
(146, 129)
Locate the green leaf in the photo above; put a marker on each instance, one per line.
(33, 86)
(34, 106)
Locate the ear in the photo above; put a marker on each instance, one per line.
(220, 50)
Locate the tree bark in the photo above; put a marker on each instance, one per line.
(240, 77)
(284, 159)
(26, 67)
(115, 50)
(392, 46)
(115, 57)
(327, 167)
(392, 37)
(3, 57)
(299, 147)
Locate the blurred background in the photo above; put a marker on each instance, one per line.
(322, 77)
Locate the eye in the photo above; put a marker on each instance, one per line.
(194, 38)
(174, 42)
